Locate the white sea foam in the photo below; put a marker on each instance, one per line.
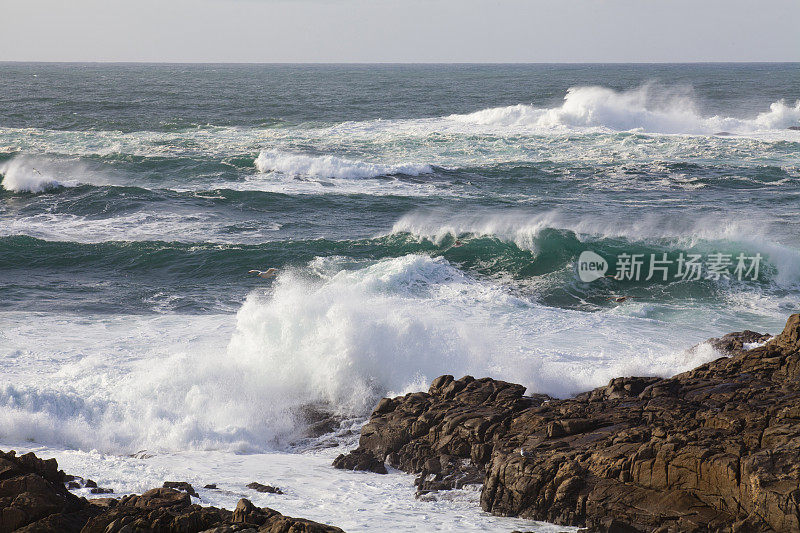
(334, 334)
(382, 147)
(312, 488)
(38, 174)
(151, 225)
(328, 166)
(648, 108)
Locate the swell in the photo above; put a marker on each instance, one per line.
(541, 265)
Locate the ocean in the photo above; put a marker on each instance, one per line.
(424, 220)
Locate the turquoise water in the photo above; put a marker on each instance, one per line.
(424, 220)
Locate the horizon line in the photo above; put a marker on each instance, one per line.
(225, 62)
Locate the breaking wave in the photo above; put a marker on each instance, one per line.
(335, 334)
(555, 233)
(33, 175)
(36, 174)
(328, 166)
(648, 108)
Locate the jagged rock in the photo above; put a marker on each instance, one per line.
(182, 486)
(258, 487)
(360, 460)
(733, 343)
(713, 449)
(268, 520)
(32, 489)
(157, 499)
(34, 499)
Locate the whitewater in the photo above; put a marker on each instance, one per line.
(415, 235)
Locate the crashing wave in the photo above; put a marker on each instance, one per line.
(34, 175)
(328, 166)
(648, 108)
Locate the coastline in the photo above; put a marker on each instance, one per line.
(712, 449)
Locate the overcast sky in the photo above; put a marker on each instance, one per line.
(400, 30)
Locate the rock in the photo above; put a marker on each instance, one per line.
(360, 460)
(795, 128)
(182, 486)
(713, 449)
(210, 486)
(76, 482)
(157, 499)
(269, 520)
(733, 343)
(31, 490)
(34, 499)
(264, 488)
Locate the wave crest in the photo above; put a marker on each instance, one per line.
(649, 108)
(34, 175)
(328, 166)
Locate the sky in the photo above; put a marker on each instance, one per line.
(400, 30)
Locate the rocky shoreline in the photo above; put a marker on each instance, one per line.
(713, 449)
(34, 498)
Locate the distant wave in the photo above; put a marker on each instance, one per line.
(649, 108)
(328, 166)
(34, 175)
(37, 174)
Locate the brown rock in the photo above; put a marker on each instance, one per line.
(182, 486)
(258, 487)
(360, 460)
(713, 449)
(34, 499)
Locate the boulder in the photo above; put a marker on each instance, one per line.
(360, 460)
(182, 486)
(258, 487)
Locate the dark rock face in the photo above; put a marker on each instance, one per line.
(31, 490)
(34, 499)
(258, 487)
(713, 449)
(733, 343)
(182, 486)
(360, 460)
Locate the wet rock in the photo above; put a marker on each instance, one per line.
(210, 486)
(34, 499)
(182, 486)
(360, 460)
(733, 343)
(31, 490)
(258, 487)
(713, 449)
(269, 520)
